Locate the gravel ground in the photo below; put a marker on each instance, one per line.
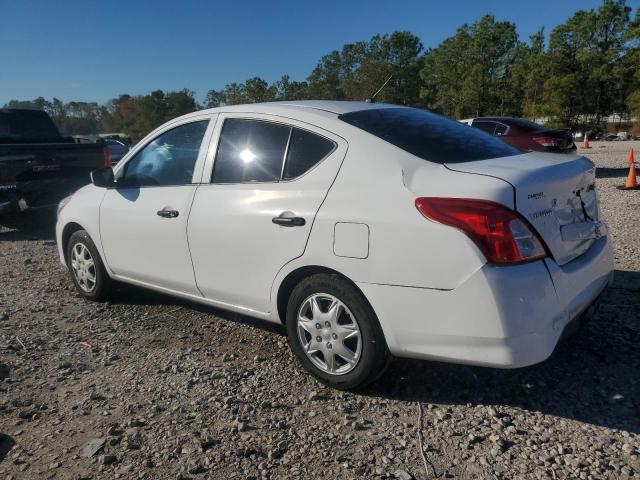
(151, 387)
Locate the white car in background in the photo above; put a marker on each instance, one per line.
(368, 230)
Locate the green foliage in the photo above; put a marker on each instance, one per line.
(585, 56)
(137, 116)
(469, 74)
(589, 70)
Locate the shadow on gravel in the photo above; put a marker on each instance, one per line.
(132, 295)
(592, 377)
(606, 172)
(6, 444)
(29, 226)
(627, 280)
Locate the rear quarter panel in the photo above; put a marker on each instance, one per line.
(377, 186)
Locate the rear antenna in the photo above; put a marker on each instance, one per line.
(372, 98)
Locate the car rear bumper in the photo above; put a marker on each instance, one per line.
(500, 316)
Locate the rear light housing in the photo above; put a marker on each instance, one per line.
(502, 235)
(546, 141)
(106, 155)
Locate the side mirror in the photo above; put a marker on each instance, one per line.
(103, 177)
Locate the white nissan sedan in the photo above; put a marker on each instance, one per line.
(369, 230)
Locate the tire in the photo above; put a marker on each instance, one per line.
(346, 366)
(100, 287)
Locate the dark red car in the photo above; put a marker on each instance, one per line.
(525, 134)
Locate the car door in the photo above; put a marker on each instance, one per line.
(143, 220)
(268, 180)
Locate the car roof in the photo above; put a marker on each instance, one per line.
(318, 107)
(495, 119)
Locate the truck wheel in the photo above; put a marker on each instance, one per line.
(334, 332)
(86, 268)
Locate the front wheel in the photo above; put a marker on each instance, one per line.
(87, 270)
(334, 332)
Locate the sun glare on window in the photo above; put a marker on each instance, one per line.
(247, 155)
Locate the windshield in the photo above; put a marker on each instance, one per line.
(526, 125)
(429, 136)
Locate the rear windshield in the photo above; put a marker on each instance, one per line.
(526, 125)
(26, 126)
(429, 136)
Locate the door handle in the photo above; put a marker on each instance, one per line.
(289, 221)
(167, 213)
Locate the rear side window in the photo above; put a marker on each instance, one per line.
(488, 127)
(501, 129)
(17, 126)
(250, 151)
(429, 136)
(306, 149)
(526, 125)
(261, 151)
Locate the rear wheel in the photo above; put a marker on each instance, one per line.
(87, 270)
(334, 332)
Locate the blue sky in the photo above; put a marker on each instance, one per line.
(94, 50)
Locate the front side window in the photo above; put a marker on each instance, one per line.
(167, 160)
(429, 136)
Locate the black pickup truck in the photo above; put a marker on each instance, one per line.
(38, 166)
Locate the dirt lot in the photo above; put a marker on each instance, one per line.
(156, 388)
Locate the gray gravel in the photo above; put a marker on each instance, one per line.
(151, 387)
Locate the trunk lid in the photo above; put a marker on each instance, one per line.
(563, 137)
(555, 193)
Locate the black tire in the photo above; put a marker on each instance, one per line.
(103, 283)
(374, 356)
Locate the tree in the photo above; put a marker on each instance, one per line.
(257, 90)
(468, 74)
(213, 99)
(584, 54)
(529, 75)
(366, 66)
(631, 64)
(291, 90)
(324, 80)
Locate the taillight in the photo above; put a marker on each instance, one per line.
(106, 155)
(546, 141)
(502, 235)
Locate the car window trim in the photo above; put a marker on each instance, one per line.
(122, 165)
(329, 153)
(285, 156)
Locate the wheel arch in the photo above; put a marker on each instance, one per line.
(294, 277)
(68, 230)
